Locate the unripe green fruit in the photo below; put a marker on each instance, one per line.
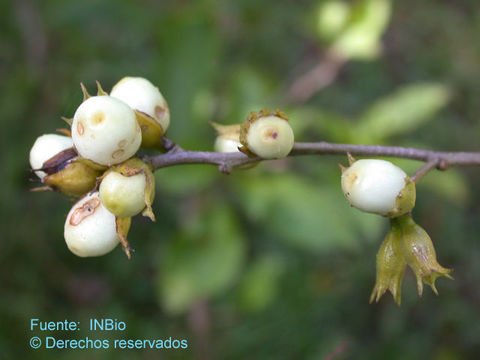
(378, 186)
(123, 196)
(105, 130)
(267, 135)
(90, 229)
(46, 147)
(141, 95)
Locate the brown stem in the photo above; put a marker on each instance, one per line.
(199, 324)
(427, 167)
(317, 78)
(228, 161)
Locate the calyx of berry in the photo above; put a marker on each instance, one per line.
(406, 244)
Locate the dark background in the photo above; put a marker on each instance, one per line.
(269, 263)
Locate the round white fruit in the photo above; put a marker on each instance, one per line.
(90, 229)
(270, 137)
(46, 147)
(123, 196)
(373, 185)
(140, 94)
(105, 130)
(225, 145)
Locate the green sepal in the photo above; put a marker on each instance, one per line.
(122, 226)
(100, 91)
(152, 131)
(405, 200)
(419, 253)
(391, 267)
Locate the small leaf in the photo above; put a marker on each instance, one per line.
(403, 111)
(361, 38)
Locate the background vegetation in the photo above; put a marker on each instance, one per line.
(269, 263)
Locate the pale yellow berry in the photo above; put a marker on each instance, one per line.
(105, 130)
(268, 136)
(123, 196)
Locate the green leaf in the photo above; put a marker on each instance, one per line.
(325, 124)
(361, 38)
(202, 262)
(401, 112)
(309, 216)
(259, 284)
(179, 180)
(450, 185)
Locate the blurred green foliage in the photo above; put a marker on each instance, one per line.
(273, 256)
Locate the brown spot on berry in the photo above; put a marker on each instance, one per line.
(271, 133)
(159, 112)
(84, 211)
(122, 143)
(117, 154)
(97, 118)
(80, 128)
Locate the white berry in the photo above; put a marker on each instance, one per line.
(46, 147)
(374, 186)
(90, 229)
(123, 196)
(269, 137)
(105, 130)
(140, 94)
(225, 145)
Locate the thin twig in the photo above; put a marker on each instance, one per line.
(427, 167)
(228, 161)
(317, 78)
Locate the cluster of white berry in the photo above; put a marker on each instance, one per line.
(96, 160)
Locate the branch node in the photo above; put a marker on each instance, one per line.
(225, 168)
(443, 165)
